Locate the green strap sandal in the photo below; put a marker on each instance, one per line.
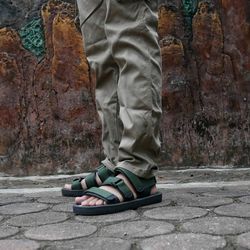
(76, 186)
(113, 204)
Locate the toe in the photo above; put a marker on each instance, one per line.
(87, 202)
(79, 200)
(67, 186)
(99, 203)
(84, 203)
(93, 202)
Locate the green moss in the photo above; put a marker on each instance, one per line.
(32, 37)
(189, 9)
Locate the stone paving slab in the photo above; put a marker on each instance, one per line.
(228, 193)
(162, 204)
(204, 201)
(217, 225)
(6, 196)
(124, 216)
(6, 231)
(173, 194)
(196, 191)
(60, 231)
(5, 200)
(243, 240)
(37, 219)
(56, 200)
(193, 218)
(97, 243)
(184, 242)
(43, 194)
(236, 209)
(245, 199)
(137, 229)
(18, 245)
(175, 213)
(67, 207)
(22, 208)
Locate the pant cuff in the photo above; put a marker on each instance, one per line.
(142, 173)
(107, 163)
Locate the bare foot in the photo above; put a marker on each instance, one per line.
(93, 201)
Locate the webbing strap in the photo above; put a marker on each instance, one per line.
(103, 173)
(76, 184)
(121, 186)
(102, 194)
(91, 180)
(141, 185)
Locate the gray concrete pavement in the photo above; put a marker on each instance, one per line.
(191, 217)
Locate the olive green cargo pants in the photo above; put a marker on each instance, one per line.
(121, 44)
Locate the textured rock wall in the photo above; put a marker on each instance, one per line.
(48, 122)
(206, 83)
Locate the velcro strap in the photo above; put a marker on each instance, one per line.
(102, 194)
(120, 185)
(141, 185)
(91, 180)
(76, 184)
(103, 173)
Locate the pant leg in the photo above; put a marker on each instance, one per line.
(99, 55)
(131, 28)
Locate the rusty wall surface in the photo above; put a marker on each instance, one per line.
(206, 83)
(48, 121)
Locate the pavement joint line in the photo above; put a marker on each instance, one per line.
(161, 186)
(29, 190)
(206, 169)
(217, 184)
(35, 178)
(56, 177)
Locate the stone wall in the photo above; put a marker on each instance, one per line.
(48, 122)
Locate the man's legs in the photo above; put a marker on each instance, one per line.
(100, 58)
(122, 47)
(106, 71)
(131, 29)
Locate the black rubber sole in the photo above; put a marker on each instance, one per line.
(116, 208)
(72, 193)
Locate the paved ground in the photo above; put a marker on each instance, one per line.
(192, 216)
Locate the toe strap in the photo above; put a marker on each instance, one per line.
(102, 194)
(90, 180)
(76, 184)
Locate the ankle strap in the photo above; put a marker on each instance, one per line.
(141, 185)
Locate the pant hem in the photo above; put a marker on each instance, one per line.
(107, 163)
(146, 174)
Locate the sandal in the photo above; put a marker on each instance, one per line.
(113, 204)
(76, 186)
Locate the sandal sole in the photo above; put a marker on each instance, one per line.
(116, 208)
